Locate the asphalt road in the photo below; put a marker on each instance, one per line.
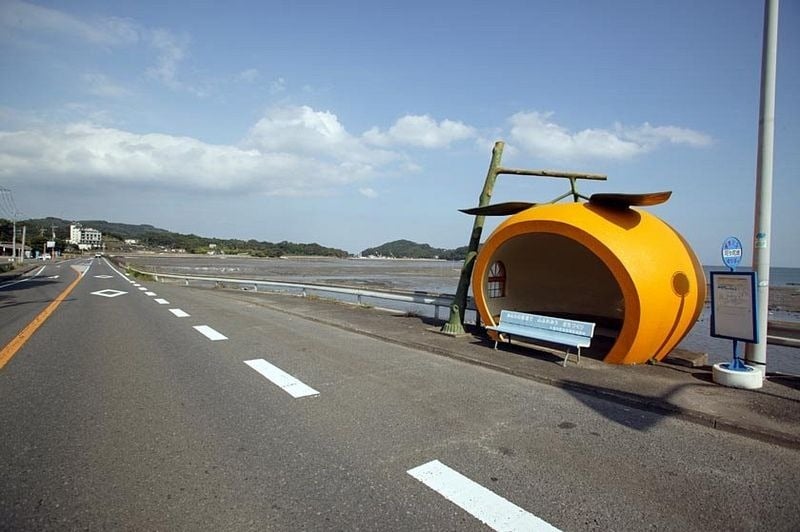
(23, 298)
(119, 414)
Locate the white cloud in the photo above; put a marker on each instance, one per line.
(249, 75)
(170, 52)
(537, 134)
(303, 130)
(101, 85)
(17, 18)
(23, 16)
(420, 131)
(652, 136)
(291, 151)
(277, 86)
(368, 192)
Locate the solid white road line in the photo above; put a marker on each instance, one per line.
(209, 333)
(179, 313)
(280, 378)
(483, 504)
(113, 269)
(161, 301)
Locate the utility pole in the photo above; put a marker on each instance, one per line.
(22, 251)
(7, 206)
(14, 238)
(756, 354)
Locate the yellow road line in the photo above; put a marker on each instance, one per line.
(14, 345)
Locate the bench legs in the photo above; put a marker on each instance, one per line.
(498, 336)
(566, 357)
(566, 354)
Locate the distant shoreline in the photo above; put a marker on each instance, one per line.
(783, 297)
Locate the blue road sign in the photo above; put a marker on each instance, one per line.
(732, 252)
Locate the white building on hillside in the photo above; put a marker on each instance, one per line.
(84, 237)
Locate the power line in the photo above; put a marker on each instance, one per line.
(8, 209)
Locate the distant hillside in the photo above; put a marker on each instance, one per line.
(46, 226)
(406, 249)
(150, 237)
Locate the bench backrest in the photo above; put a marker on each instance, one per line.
(548, 323)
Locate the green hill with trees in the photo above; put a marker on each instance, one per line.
(406, 249)
(153, 238)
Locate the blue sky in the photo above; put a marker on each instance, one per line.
(355, 123)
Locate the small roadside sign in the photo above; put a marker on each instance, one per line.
(733, 303)
(732, 252)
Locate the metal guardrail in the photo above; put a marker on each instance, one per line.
(417, 297)
(780, 333)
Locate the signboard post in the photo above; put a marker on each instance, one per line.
(734, 316)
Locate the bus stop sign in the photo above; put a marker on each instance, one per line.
(732, 252)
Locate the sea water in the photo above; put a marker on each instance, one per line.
(777, 276)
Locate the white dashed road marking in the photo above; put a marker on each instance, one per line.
(280, 378)
(108, 293)
(151, 294)
(161, 301)
(209, 333)
(483, 504)
(179, 313)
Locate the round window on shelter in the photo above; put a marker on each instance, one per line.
(496, 286)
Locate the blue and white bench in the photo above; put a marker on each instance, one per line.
(546, 328)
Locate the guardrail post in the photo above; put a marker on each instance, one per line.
(255, 288)
(304, 292)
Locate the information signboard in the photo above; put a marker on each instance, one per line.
(51, 244)
(733, 306)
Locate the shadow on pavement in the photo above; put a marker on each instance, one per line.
(790, 381)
